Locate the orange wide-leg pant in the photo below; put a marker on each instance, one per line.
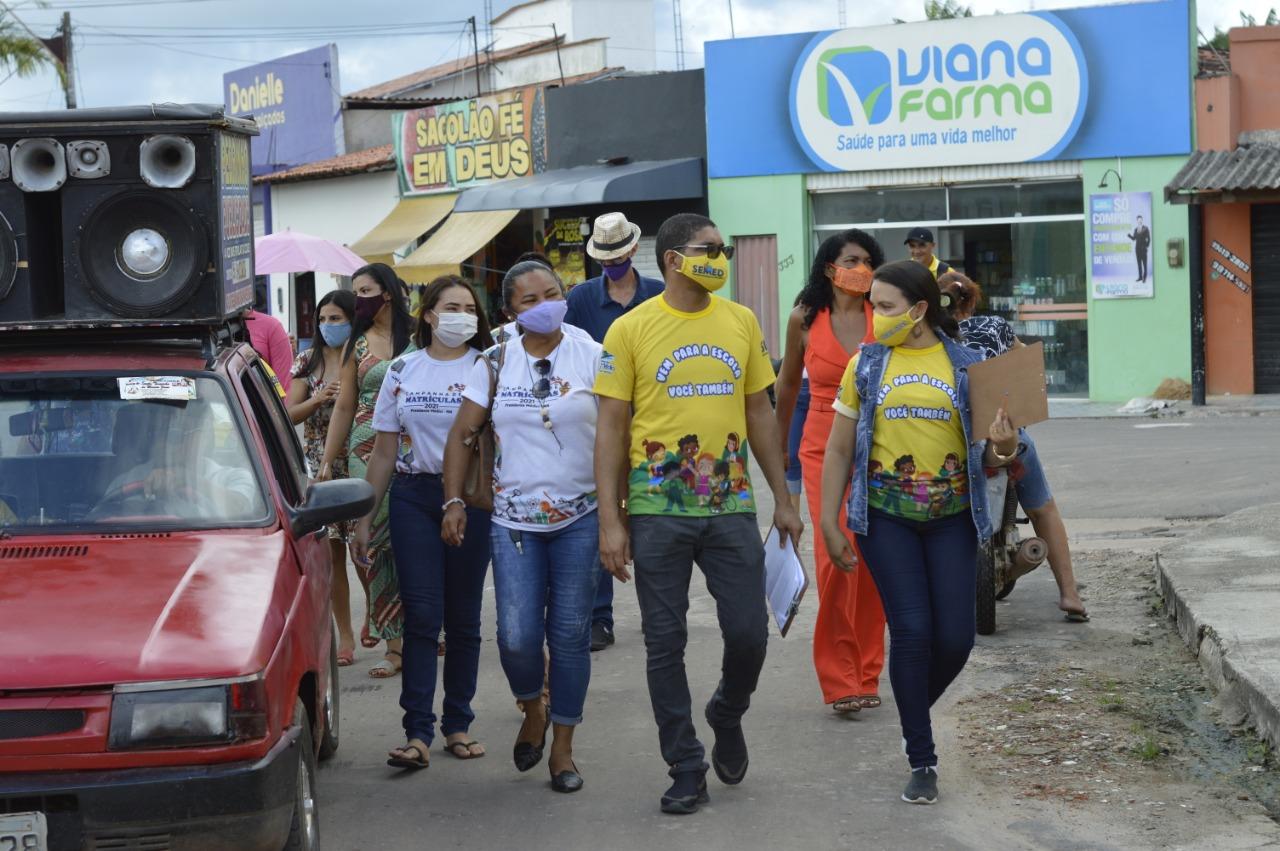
(848, 636)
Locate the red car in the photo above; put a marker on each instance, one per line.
(168, 674)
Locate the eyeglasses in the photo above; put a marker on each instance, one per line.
(542, 387)
(712, 251)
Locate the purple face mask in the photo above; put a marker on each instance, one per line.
(367, 306)
(545, 317)
(616, 272)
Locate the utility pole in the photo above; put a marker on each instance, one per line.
(733, 33)
(679, 25)
(844, 18)
(475, 47)
(68, 63)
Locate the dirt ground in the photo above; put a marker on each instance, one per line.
(1107, 727)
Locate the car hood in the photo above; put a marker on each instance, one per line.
(97, 611)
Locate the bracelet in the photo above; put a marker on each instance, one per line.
(457, 500)
(996, 453)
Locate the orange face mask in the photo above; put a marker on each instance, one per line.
(855, 281)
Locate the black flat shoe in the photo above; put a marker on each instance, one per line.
(526, 755)
(687, 793)
(567, 781)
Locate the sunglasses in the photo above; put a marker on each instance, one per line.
(712, 251)
(542, 387)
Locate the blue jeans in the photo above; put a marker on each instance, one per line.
(439, 586)
(925, 572)
(795, 475)
(729, 552)
(546, 594)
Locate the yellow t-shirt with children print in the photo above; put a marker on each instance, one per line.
(687, 376)
(918, 454)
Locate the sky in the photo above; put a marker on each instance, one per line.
(153, 51)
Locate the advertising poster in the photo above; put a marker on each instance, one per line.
(1120, 245)
(566, 249)
(455, 145)
(237, 222)
(296, 103)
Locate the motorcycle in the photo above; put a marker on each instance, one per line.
(1006, 557)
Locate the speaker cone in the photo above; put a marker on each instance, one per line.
(39, 165)
(167, 162)
(88, 160)
(143, 254)
(8, 258)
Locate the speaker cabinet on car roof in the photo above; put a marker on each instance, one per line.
(125, 215)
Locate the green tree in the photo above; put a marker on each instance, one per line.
(942, 10)
(20, 52)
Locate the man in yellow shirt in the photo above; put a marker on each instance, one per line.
(683, 383)
(920, 243)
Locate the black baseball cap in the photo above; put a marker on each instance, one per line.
(919, 235)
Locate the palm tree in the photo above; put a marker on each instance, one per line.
(21, 53)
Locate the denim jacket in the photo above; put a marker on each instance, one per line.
(869, 376)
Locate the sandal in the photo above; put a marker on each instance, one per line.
(346, 658)
(399, 757)
(367, 640)
(386, 668)
(847, 705)
(1076, 617)
(466, 752)
(869, 701)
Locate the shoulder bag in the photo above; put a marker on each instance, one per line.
(477, 488)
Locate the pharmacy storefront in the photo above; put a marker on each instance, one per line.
(1034, 146)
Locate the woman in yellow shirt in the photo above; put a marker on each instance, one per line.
(917, 501)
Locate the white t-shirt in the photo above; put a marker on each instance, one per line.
(419, 399)
(511, 331)
(539, 484)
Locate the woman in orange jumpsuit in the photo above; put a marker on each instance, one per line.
(832, 318)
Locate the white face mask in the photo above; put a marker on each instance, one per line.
(454, 329)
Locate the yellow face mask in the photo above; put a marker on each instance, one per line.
(893, 330)
(711, 273)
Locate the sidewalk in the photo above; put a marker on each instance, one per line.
(1222, 586)
(1072, 408)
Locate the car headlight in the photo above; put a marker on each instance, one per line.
(157, 715)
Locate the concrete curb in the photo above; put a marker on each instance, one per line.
(1222, 589)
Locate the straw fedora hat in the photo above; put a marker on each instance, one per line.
(613, 237)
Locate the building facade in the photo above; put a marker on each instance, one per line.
(1028, 143)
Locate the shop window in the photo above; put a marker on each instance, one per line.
(880, 205)
(1059, 198)
(985, 202)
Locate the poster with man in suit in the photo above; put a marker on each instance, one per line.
(1120, 245)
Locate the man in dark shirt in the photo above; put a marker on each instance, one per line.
(920, 243)
(593, 306)
(1141, 237)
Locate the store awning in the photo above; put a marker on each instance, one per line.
(461, 235)
(656, 180)
(406, 222)
(1249, 173)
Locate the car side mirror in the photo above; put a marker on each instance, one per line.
(329, 502)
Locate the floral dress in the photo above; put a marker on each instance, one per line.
(314, 430)
(386, 618)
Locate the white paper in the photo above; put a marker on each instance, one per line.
(784, 578)
(177, 388)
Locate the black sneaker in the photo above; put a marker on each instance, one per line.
(687, 793)
(922, 788)
(601, 636)
(729, 755)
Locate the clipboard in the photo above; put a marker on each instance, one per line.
(785, 580)
(1015, 380)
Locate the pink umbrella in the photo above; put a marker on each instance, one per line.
(290, 251)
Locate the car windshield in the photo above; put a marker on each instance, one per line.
(97, 451)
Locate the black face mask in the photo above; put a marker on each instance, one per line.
(367, 306)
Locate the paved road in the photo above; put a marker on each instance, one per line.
(815, 781)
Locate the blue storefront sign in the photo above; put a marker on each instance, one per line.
(1071, 84)
(296, 102)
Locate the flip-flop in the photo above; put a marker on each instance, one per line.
(346, 658)
(869, 701)
(386, 669)
(1076, 617)
(847, 705)
(367, 640)
(422, 760)
(452, 749)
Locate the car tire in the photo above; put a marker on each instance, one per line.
(329, 704)
(986, 590)
(304, 830)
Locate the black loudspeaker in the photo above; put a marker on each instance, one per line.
(146, 217)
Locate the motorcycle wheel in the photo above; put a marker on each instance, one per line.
(986, 590)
